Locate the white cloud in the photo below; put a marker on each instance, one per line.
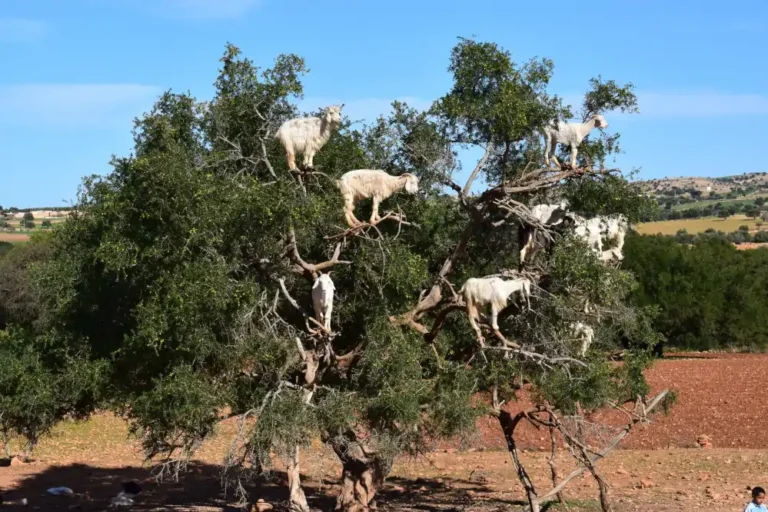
(362, 109)
(74, 105)
(202, 9)
(19, 30)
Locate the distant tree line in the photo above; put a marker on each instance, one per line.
(13, 209)
(752, 209)
(709, 294)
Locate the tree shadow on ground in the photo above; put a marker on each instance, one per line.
(199, 489)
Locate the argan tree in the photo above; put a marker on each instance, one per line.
(182, 280)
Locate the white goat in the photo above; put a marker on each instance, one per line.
(591, 231)
(616, 228)
(379, 185)
(612, 254)
(322, 299)
(308, 135)
(570, 134)
(586, 333)
(548, 215)
(478, 292)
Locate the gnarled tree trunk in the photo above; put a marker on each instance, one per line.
(362, 476)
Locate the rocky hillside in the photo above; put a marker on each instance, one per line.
(734, 186)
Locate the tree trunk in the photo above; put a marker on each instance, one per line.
(508, 425)
(297, 501)
(359, 483)
(363, 473)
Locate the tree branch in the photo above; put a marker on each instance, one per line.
(488, 150)
(614, 442)
(312, 269)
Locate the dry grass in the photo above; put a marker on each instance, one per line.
(670, 227)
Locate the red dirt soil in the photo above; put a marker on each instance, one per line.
(718, 394)
(13, 237)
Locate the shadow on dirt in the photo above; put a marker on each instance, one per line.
(197, 489)
(200, 489)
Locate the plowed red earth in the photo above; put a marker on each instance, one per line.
(723, 396)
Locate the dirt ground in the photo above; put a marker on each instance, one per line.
(13, 237)
(721, 395)
(751, 245)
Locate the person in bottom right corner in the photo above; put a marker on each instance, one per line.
(758, 500)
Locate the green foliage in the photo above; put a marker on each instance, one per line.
(43, 382)
(177, 413)
(28, 216)
(19, 297)
(709, 294)
(5, 248)
(605, 96)
(610, 195)
(175, 280)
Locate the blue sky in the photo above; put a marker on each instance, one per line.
(76, 72)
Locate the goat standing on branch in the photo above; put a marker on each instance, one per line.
(548, 215)
(322, 299)
(494, 291)
(308, 135)
(616, 228)
(570, 134)
(376, 184)
(590, 231)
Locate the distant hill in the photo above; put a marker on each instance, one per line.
(726, 187)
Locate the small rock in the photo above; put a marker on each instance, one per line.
(622, 472)
(646, 483)
(470, 493)
(16, 461)
(398, 488)
(423, 489)
(713, 496)
(683, 493)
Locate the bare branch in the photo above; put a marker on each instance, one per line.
(488, 150)
(312, 269)
(614, 442)
(307, 317)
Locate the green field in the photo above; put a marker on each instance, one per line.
(670, 227)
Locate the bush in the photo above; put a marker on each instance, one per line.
(46, 223)
(29, 216)
(710, 294)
